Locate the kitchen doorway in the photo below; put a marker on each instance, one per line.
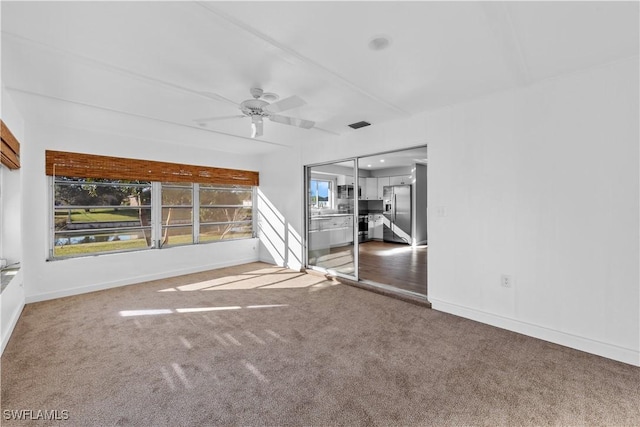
(330, 206)
(385, 198)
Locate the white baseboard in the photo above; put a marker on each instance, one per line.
(133, 280)
(610, 351)
(12, 324)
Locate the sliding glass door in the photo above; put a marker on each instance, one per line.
(367, 219)
(332, 194)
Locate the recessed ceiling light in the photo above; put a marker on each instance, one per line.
(379, 43)
(368, 166)
(381, 160)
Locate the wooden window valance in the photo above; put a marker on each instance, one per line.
(60, 163)
(9, 148)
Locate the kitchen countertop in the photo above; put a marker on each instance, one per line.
(6, 275)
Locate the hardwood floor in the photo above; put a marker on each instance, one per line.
(394, 264)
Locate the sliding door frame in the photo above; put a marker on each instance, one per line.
(307, 219)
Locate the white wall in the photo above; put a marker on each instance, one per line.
(420, 205)
(280, 209)
(10, 192)
(542, 184)
(13, 297)
(50, 279)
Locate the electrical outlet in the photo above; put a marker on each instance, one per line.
(506, 281)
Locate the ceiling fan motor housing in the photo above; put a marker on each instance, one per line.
(254, 107)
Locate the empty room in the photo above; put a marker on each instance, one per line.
(320, 213)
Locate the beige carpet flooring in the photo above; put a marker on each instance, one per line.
(261, 345)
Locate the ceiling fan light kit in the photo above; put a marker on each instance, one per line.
(259, 108)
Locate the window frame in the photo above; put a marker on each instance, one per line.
(156, 224)
(177, 185)
(331, 188)
(242, 188)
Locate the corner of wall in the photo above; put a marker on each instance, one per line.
(12, 302)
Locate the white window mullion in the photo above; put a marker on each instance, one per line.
(254, 211)
(52, 216)
(196, 212)
(156, 214)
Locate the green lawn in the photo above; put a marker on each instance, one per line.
(98, 215)
(123, 245)
(90, 248)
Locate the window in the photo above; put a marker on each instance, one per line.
(321, 194)
(93, 216)
(116, 204)
(177, 214)
(226, 212)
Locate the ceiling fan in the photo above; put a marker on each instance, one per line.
(257, 109)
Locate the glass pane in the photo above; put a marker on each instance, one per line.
(330, 219)
(84, 242)
(225, 214)
(176, 216)
(321, 194)
(227, 197)
(70, 218)
(210, 233)
(101, 193)
(182, 196)
(177, 236)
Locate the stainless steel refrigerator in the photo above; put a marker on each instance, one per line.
(397, 213)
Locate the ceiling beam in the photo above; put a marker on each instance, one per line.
(115, 69)
(501, 25)
(293, 55)
(136, 115)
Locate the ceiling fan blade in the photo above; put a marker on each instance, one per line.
(301, 123)
(285, 104)
(202, 121)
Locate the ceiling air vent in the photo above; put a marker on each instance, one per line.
(359, 125)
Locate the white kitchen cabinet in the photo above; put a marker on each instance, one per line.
(340, 230)
(378, 227)
(336, 237)
(345, 180)
(400, 180)
(383, 181)
(371, 188)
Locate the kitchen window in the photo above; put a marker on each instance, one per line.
(321, 194)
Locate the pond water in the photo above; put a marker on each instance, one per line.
(61, 241)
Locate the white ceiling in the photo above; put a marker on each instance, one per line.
(148, 69)
(394, 159)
